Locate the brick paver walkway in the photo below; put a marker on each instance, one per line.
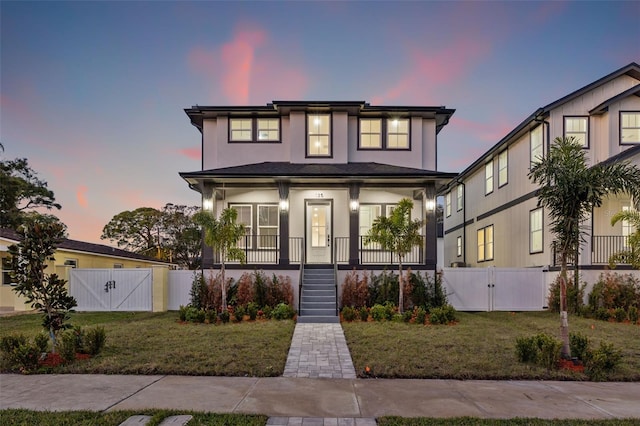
(313, 421)
(319, 351)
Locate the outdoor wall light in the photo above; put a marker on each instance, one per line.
(207, 204)
(430, 205)
(354, 205)
(284, 205)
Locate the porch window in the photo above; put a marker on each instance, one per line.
(485, 243)
(368, 214)
(319, 135)
(488, 178)
(370, 133)
(578, 128)
(459, 200)
(629, 127)
(389, 209)
(535, 146)
(627, 227)
(245, 218)
(268, 217)
(447, 204)
(241, 129)
(398, 133)
(535, 231)
(503, 168)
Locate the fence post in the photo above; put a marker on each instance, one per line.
(160, 287)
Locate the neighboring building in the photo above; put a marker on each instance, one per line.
(69, 254)
(491, 212)
(309, 178)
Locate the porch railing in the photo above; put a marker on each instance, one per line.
(603, 246)
(265, 249)
(373, 254)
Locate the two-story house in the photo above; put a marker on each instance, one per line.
(309, 178)
(492, 217)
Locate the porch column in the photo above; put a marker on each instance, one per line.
(208, 205)
(431, 227)
(283, 192)
(354, 224)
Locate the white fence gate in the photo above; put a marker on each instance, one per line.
(112, 289)
(495, 289)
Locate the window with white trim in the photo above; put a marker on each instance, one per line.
(398, 133)
(368, 214)
(71, 262)
(627, 227)
(254, 129)
(535, 231)
(536, 148)
(459, 199)
(370, 133)
(488, 178)
(629, 127)
(268, 218)
(447, 204)
(245, 218)
(577, 127)
(503, 168)
(485, 243)
(459, 246)
(319, 135)
(389, 209)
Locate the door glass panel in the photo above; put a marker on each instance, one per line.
(318, 227)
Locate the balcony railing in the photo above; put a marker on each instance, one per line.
(373, 254)
(604, 246)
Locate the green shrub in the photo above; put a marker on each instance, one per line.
(224, 317)
(198, 291)
(364, 313)
(602, 314)
(283, 311)
(383, 289)
(527, 349)
(420, 315)
(194, 314)
(579, 345)
(266, 311)
(428, 291)
(67, 345)
(575, 296)
(602, 361)
(620, 314)
(182, 313)
(633, 314)
(19, 354)
(407, 316)
(613, 291)
(94, 340)
(550, 349)
(42, 342)
(238, 313)
(442, 315)
(348, 313)
(378, 312)
(12, 341)
(211, 316)
(252, 310)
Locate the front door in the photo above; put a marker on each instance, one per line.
(318, 231)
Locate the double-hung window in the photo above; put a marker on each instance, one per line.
(629, 127)
(536, 147)
(245, 218)
(319, 135)
(447, 204)
(485, 243)
(488, 178)
(459, 200)
(268, 217)
(535, 231)
(371, 133)
(578, 128)
(398, 133)
(503, 168)
(262, 130)
(368, 214)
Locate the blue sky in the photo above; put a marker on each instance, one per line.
(92, 93)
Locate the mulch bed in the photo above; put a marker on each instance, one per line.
(53, 360)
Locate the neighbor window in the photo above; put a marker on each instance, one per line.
(245, 218)
(254, 130)
(371, 133)
(459, 196)
(118, 266)
(536, 147)
(630, 127)
(268, 217)
(319, 135)
(459, 246)
(485, 243)
(398, 133)
(71, 262)
(535, 231)
(447, 204)
(577, 127)
(488, 178)
(503, 168)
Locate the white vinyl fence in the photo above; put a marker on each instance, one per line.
(179, 288)
(495, 289)
(112, 289)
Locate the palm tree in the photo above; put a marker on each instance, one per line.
(569, 190)
(631, 254)
(397, 234)
(222, 235)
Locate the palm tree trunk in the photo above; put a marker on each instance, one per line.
(564, 316)
(400, 287)
(223, 286)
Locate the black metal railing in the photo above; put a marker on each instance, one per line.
(604, 246)
(373, 254)
(265, 249)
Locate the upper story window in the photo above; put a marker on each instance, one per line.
(629, 127)
(447, 204)
(503, 168)
(398, 133)
(536, 148)
(371, 133)
(488, 178)
(578, 128)
(459, 195)
(254, 130)
(319, 135)
(459, 246)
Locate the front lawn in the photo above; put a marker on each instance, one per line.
(480, 346)
(156, 343)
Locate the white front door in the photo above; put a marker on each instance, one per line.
(318, 231)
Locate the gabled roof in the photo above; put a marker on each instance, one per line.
(632, 70)
(604, 107)
(81, 246)
(624, 155)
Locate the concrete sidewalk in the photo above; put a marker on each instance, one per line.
(301, 397)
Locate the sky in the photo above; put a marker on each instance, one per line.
(93, 93)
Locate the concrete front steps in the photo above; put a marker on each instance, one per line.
(318, 299)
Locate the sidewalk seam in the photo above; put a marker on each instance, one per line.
(134, 393)
(247, 393)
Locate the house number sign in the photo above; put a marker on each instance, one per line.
(320, 194)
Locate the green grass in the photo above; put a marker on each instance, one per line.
(156, 343)
(89, 418)
(480, 346)
(421, 421)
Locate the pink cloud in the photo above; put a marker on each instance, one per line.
(192, 153)
(81, 196)
(249, 68)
